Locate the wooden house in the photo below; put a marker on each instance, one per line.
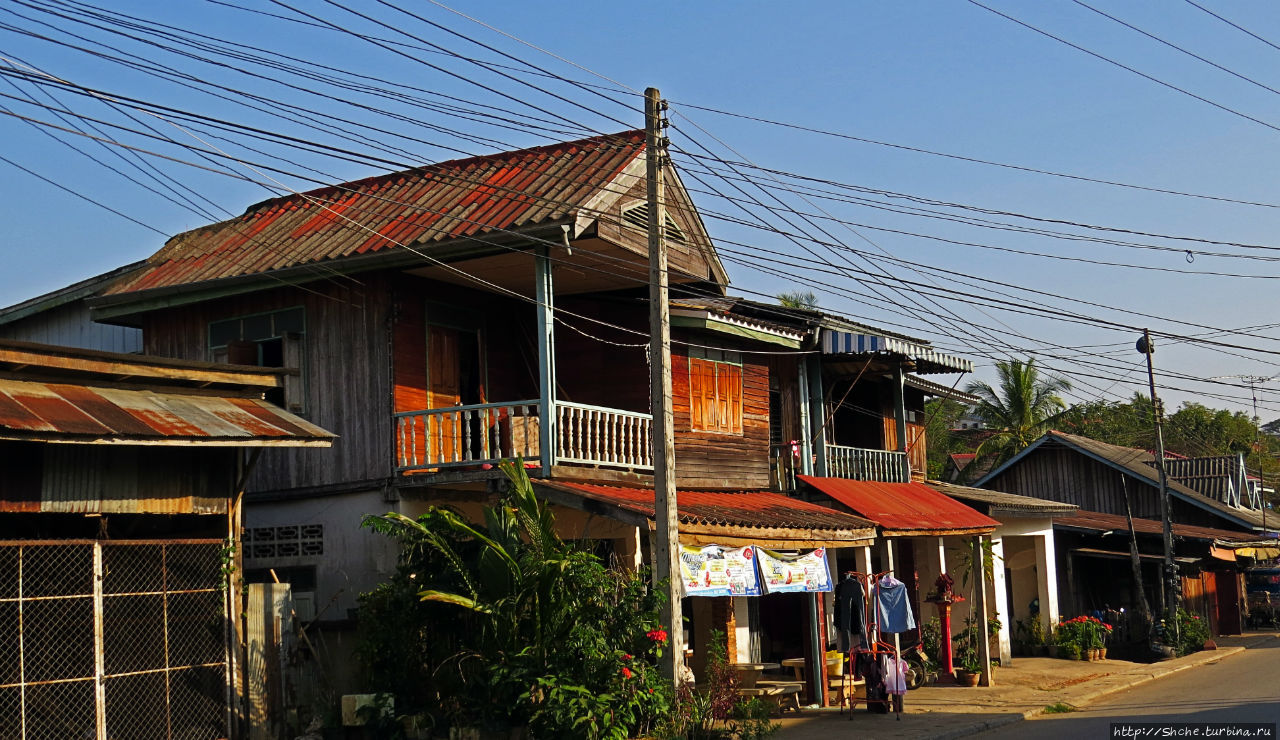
(444, 318)
(118, 504)
(1110, 484)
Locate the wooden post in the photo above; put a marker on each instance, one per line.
(980, 610)
(546, 363)
(900, 419)
(664, 455)
(806, 436)
(817, 415)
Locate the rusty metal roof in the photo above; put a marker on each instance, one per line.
(904, 508)
(441, 202)
(1100, 522)
(758, 510)
(79, 413)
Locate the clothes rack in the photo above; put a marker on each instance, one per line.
(871, 645)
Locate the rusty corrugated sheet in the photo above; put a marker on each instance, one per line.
(761, 509)
(1100, 522)
(445, 201)
(904, 507)
(61, 412)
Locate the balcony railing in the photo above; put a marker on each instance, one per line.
(486, 433)
(593, 435)
(857, 463)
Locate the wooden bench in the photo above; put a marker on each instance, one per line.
(784, 695)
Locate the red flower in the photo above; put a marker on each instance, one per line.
(657, 635)
(626, 672)
(650, 691)
(626, 656)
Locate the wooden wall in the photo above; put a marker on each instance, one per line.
(347, 383)
(734, 461)
(602, 373)
(1060, 474)
(70, 326)
(688, 259)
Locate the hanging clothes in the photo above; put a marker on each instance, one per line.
(849, 613)
(894, 607)
(895, 675)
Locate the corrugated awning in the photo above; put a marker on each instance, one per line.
(82, 414)
(721, 517)
(927, 359)
(904, 509)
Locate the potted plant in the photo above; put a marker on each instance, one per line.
(967, 658)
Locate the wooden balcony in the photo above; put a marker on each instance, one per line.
(479, 435)
(856, 463)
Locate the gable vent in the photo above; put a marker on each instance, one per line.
(636, 215)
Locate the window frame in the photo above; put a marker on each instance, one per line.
(293, 343)
(726, 373)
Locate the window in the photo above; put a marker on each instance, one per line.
(637, 215)
(267, 340)
(715, 391)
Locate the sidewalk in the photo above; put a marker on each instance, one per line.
(1022, 690)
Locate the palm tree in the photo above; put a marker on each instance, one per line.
(799, 299)
(1023, 409)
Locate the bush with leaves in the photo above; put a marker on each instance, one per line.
(1193, 632)
(506, 625)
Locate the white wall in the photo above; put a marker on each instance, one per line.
(355, 558)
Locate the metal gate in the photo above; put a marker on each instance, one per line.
(112, 640)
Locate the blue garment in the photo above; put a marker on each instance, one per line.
(894, 608)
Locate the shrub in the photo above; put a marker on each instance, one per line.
(507, 626)
(1193, 632)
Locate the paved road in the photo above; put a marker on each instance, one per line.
(1240, 688)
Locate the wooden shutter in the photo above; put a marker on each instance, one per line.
(729, 385)
(292, 351)
(700, 406)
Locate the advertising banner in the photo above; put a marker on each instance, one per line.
(718, 571)
(806, 572)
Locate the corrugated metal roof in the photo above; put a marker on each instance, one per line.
(904, 508)
(64, 412)
(1001, 501)
(758, 509)
(1142, 464)
(928, 359)
(1100, 522)
(450, 200)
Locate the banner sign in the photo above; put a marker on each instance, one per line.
(718, 571)
(794, 573)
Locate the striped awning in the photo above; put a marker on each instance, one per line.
(927, 359)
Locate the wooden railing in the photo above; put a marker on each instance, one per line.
(857, 463)
(486, 433)
(594, 435)
(467, 435)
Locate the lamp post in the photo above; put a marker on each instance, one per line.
(1169, 580)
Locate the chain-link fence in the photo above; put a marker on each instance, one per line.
(112, 641)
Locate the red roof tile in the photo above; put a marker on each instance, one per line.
(459, 198)
(904, 508)
(761, 509)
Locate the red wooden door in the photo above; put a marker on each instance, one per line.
(444, 390)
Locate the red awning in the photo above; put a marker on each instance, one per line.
(904, 509)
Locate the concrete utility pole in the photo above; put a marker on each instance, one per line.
(667, 538)
(1170, 575)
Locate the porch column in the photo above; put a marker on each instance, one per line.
(980, 611)
(862, 559)
(817, 429)
(806, 435)
(900, 418)
(1047, 579)
(546, 363)
(1002, 600)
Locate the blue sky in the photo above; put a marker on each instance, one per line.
(946, 76)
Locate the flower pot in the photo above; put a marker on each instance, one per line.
(1102, 653)
(966, 678)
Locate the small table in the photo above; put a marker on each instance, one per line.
(797, 665)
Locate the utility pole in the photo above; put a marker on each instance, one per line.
(667, 544)
(1169, 581)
